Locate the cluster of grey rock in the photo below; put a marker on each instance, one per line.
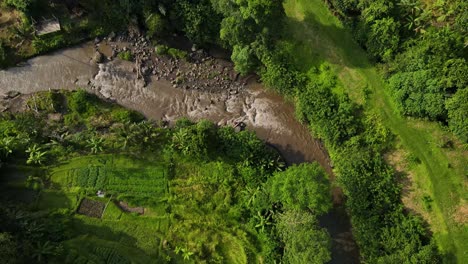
(197, 71)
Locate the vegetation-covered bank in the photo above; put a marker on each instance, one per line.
(431, 161)
(88, 181)
(306, 53)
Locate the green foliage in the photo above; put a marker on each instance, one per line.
(96, 144)
(21, 5)
(7, 249)
(125, 55)
(36, 155)
(161, 49)
(155, 24)
(457, 108)
(304, 241)
(417, 94)
(302, 187)
(47, 43)
(48, 102)
(278, 71)
(196, 140)
(243, 59)
(249, 27)
(190, 174)
(383, 38)
(177, 53)
(198, 20)
(331, 116)
(173, 52)
(81, 102)
(126, 116)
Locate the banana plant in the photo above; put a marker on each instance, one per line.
(96, 144)
(36, 155)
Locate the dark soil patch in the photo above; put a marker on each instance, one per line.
(91, 208)
(124, 206)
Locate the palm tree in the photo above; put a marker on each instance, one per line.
(96, 144)
(36, 156)
(6, 146)
(42, 250)
(186, 254)
(251, 194)
(125, 135)
(263, 220)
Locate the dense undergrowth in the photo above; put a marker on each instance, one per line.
(192, 193)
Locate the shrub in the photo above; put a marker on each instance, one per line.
(78, 101)
(176, 53)
(21, 5)
(48, 43)
(126, 55)
(161, 49)
(155, 24)
(302, 187)
(457, 108)
(126, 116)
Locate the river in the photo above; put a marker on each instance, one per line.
(263, 111)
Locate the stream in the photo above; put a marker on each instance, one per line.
(263, 111)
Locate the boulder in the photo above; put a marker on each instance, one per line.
(98, 57)
(111, 36)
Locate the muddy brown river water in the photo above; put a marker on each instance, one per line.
(261, 110)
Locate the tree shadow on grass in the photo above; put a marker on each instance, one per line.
(316, 43)
(98, 230)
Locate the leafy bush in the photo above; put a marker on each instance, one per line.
(161, 49)
(305, 241)
(21, 5)
(198, 20)
(244, 59)
(331, 116)
(155, 24)
(177, 53)
(47, 43)
(78, 101)
(302, 187)
(418, 94)
(457, 108)
(126, 55)
(383, 38)
(126, 116)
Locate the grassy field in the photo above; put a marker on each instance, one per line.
(431, 171)
(187, 211)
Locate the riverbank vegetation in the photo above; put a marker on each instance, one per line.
(304, 52)
(84, 180)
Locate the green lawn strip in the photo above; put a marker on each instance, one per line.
(320, 37)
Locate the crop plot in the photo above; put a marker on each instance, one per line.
(118, 175)
(91, 208)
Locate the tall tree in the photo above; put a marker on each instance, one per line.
(303, 186)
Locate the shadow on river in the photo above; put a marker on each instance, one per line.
(261, 110)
